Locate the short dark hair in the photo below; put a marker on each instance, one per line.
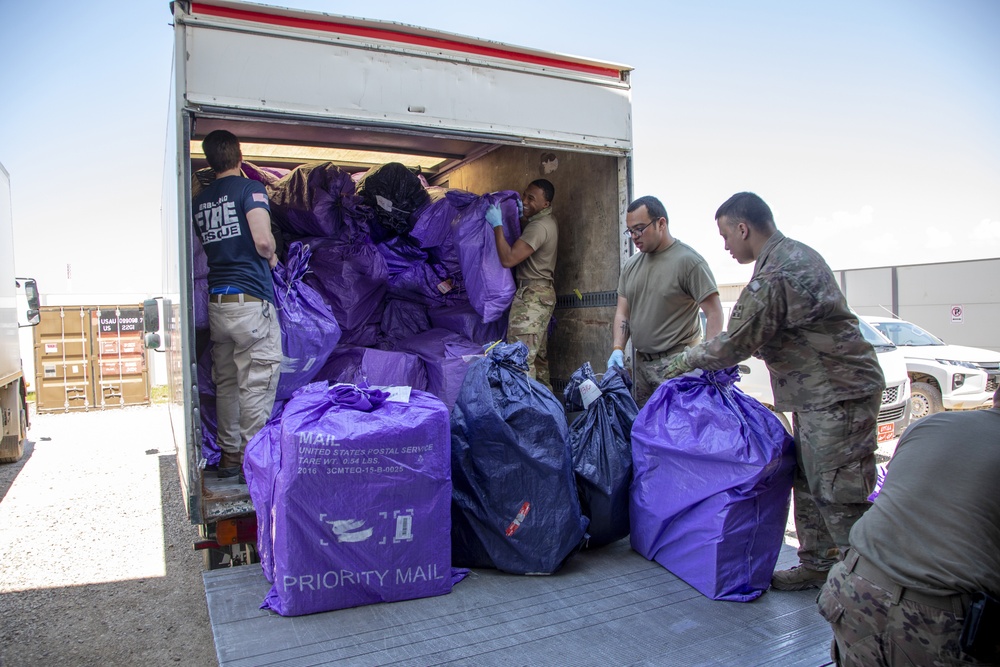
(222, 150)
(653, 206)
(546, 187)
(749, 208)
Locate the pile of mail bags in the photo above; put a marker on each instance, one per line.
(397, 264)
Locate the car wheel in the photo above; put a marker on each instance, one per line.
(925, 400)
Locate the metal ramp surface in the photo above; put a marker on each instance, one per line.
(609, 607)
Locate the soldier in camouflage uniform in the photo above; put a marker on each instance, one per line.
(534, 255)
(793, 315)
(930, 540)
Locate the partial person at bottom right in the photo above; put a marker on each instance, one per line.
(920, 583)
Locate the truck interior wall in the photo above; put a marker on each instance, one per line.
(587, 205)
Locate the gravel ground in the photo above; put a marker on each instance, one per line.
(98, 567)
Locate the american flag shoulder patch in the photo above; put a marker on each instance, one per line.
(260, 196)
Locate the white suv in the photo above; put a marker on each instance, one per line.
(944, 377)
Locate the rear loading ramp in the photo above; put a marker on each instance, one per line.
(606, 607)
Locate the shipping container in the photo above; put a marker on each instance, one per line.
(90, 358)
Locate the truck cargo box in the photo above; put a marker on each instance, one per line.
(470, 114)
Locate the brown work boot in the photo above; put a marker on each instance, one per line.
(799, 578)
(229, 465)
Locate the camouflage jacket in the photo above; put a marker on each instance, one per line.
(793, 315)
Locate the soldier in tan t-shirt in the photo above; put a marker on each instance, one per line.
(660, 291)
(534, 255)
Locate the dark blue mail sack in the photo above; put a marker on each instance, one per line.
(515, 501)
(602, 449)
(713, 478)
(356, 491)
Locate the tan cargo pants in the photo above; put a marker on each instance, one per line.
(246, 356)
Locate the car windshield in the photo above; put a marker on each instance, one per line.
(873, 336)
(906, 333)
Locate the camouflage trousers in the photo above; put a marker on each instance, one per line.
(529, 318)
(835, 474)
(649, 374)
(873, 626)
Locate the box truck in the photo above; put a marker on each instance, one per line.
(473, 115)
(13, 384)
(469, 114)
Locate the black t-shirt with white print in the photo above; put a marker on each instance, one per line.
(221, 222)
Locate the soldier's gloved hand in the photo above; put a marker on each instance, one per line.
(617, 358)
(494, 217)
(520, 208)
(678, 365)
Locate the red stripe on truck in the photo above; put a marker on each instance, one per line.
(404, 37)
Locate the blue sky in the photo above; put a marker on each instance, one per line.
(870, 127)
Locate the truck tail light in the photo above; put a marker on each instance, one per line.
(231, 531)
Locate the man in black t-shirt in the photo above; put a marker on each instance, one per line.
(233, 220)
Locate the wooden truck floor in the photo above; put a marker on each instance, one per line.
(609, 607)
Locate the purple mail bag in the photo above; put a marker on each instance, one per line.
(360, 505)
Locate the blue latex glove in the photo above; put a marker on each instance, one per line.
(520, 209)
(616, 359)
(494, 217)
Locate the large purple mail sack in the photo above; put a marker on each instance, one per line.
(360, 507)
(314, 200)
(351, 275)
(446, 357)
(402, 319)
(260, 465)
(266, 175)
(490, 286)
(463, 319)
(308, 328)
(711, 487)
(412, 276)
(515, 501)
(374, 367)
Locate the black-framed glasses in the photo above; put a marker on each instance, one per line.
(636, 232)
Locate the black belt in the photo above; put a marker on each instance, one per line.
(233, 298)
(956, 603)
(533, 281)
(646, 356)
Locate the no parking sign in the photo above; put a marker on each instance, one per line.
(957, 314)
